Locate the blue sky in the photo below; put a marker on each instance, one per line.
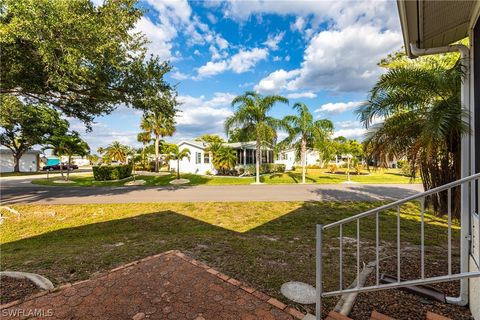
(322, 53)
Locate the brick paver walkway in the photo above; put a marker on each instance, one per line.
(165, 286)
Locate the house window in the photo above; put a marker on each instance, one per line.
(206, 157)
(198, 157)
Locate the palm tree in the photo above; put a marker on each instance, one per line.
(224, 159)
(160, 126)
(115, 151)
(251, 115)
(144, 138)
(174, 153)
(304, 133)
(70, 145)
(420, 105)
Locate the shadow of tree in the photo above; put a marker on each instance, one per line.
(266, 256)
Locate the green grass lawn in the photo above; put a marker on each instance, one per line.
(313, 176)
(261, 243)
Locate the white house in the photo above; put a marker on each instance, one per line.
(288, 158)
(200, 161)
(29, 162)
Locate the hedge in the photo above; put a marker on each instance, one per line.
(249, 170)
(102, 173)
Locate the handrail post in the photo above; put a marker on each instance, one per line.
(318, 260)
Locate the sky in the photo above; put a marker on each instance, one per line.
(321, 53)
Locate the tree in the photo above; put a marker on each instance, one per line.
(251, 115)
(93, 158)
(419, 103)
(26, 125)
(174, 153)
(115, 151)
(156, 123)
(69, 144)
(350, 149)
(304, 133)
(78, 57)
(210, 138)
(224, 159)
(145, 138)
(238, 135)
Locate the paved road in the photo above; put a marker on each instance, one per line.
(22, 191)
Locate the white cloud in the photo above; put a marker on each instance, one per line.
(338, 107)
(199, 116)
(340, 13)
(212, 68)
(273, 40)
(241, 62)
(244, 60)
(221, 42)
(276, 81)
(353, 133)
(177, 75)
(345, 60)
(159, 36)
(298, 95)
(298, 25)
(277, 58)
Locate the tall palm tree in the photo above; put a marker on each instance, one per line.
(115, 151)
(159, 125)
(304, 133)
(251, 115)
(420, 105)
(174, 153)
(144, 138)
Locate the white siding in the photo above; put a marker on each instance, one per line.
(191, 165)
(288, 159)
(28, 162)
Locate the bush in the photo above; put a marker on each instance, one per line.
(333, 168)
(102, 173)
(314, 166)
(402, 164)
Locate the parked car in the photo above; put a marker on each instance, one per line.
(56, 167)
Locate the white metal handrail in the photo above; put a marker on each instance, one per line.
(468, 182)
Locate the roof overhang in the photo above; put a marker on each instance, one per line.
(430, 24)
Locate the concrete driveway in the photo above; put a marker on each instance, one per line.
(20, 190)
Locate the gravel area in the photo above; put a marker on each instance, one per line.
(12, 289)
(400, 304)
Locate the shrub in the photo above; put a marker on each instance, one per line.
(102, 173)
(314, 166)
(358, 169)
(402, 164)
(333, 168)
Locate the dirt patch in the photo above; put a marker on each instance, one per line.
(400, 304)
(12, 289)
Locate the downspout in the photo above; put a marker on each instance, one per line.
(464, 51)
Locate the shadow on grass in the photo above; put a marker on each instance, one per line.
(266, 256)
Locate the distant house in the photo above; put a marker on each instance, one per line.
(288, 158)
(29, 162)
(200, 161)
(78, 160)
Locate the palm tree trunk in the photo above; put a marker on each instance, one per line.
(68, 168)
(157, 140)
(257, 160)
(304, 156)
(348, 168)
(61, 165)
(178, 168)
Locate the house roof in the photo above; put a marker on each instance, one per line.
(197, 144)
(242, 145)
(430, 24)
(8, 151)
